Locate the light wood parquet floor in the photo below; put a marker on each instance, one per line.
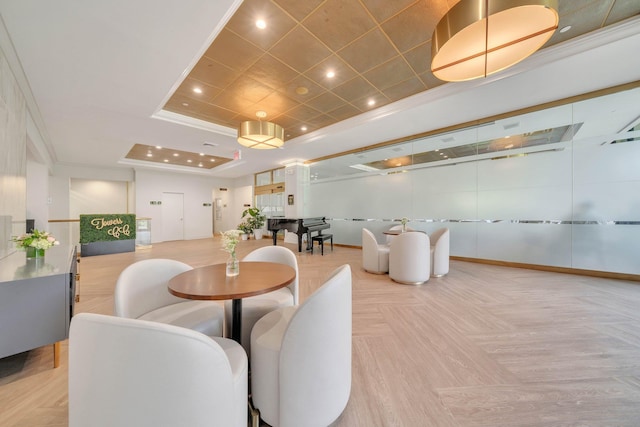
(482, 346)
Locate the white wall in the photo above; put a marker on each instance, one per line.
(97, 197)
(197, 190)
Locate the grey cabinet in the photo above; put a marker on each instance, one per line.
(36, 300)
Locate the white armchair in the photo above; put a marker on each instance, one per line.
(410, 259)
(142, 293)
(396, 228)
(130, 372)
(375, 257)
(301, 357)
(439, 252)
(253, 308)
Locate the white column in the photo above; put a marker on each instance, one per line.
(296, 181)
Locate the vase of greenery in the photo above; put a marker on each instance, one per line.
(256, 219)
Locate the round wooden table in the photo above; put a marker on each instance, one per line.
(211, 283)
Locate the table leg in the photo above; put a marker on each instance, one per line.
(236, 320)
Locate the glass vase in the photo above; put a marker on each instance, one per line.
(34, 252)
(233, 266)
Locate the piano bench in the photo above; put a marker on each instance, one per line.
(320, 238)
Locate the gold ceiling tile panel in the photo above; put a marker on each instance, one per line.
(385, 9)
(362, 57)
(300, 50)
(303, 112)
(343, 72)
(168, 156)
(370, 102)
(275, 104)
(213, 73)
(377, 49)
(404, 89)
(249, 89)
(421, 17)
(271, 72)
(298, 9)
(354, 89)
(213, 111)
(337, 22)
(295, 89)
(419, 58)
(344, 112)
(389, 73)
(177, 104)
(229, 100)
(326, 102)
(278, 23)
(189, 86)
(233, 51)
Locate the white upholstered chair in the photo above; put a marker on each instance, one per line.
(396, 228)
(410, 258)
(253, 308)
(130, 372)
(301, 358)
(142, 293)
(439, 252)
(375, 257)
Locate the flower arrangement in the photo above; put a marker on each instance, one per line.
(404, 222)
(36, 239)
(230, 239)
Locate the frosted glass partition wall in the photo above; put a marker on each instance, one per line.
(556, 187)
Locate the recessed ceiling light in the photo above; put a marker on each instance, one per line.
(303, 128)
(197, 90)
(565, 29)
(202, 154)
(260, 23)
(212, 160)
(176, 154)
(158, 147)
(185, 104)
(331, 74)
(442, 154)
(508, 146)
(149, 155)
(437, 149)
(189, 160)
(199, 165)
(301, 90)
(371, 102)
(166, 160)
(398, 164)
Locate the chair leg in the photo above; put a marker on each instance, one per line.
(254, 415)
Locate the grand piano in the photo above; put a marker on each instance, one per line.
(300, 226)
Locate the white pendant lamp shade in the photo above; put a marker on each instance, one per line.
(260, 135)
(477, 38)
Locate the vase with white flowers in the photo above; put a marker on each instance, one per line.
(230, 240)
(35, 243)
(404, 222)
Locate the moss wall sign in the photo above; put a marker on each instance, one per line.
(102, 234)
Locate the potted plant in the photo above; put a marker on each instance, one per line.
(245, 229)
(256, 219)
